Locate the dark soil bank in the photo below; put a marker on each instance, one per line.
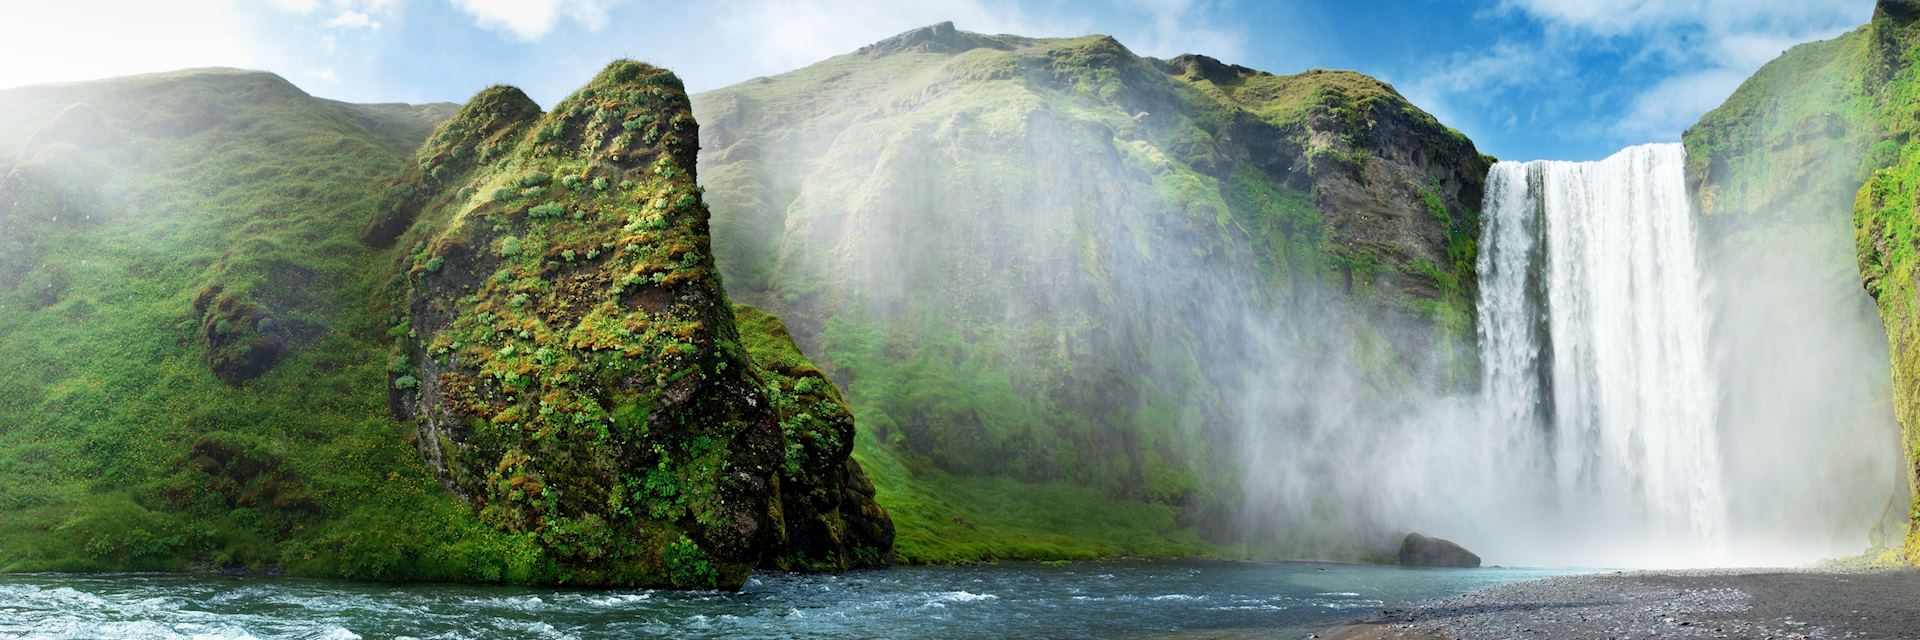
(1767, 603)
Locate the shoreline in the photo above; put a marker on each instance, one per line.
(1708, 603)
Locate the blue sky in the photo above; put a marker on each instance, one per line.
(1526, 79)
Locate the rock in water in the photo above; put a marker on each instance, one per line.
(577, 371)
(1421, 551)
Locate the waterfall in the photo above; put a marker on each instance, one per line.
(1597, 387)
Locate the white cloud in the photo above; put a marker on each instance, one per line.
(1670, 106)
(534, 19)
(1733, 37)
(61, 41)
(1676, 61)
(1187, 26)
(1619, 17)
(301, 7)
(350, 19)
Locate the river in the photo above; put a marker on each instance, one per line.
(1008, 600)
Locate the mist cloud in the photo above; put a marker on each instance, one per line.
(534, 19)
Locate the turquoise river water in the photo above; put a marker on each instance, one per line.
(1009, 600)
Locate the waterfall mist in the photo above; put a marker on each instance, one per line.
(1623, 418)
(1276, 332)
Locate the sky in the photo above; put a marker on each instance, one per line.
(1525, 79)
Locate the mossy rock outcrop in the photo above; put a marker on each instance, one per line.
(574, 363)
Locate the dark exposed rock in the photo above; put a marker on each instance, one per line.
(1421, 551)
(832, 520)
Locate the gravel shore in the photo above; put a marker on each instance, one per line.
(1751, 603)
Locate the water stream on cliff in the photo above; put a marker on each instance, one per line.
(1593, 330)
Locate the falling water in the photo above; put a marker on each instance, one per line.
(1593, 335)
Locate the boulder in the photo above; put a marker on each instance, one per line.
(1421, 551)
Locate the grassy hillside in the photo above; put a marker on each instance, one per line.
(1043, 269)
(219, 290)
(187, 314)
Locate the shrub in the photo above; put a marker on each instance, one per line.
(535, 179)
(501, 194)
(547, 211)
(689, 566)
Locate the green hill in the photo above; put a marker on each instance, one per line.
(189, 324)
(1044, 271)
(213, 326)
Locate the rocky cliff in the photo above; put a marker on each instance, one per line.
(1774, 173)
(577, 369)
(1041, 267)
(1884, 222)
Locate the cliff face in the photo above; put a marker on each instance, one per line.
(1884, 222)
(1774, 172)
(575, 365)
(1036, 261)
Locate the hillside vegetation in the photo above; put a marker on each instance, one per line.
(1826, 129)
(219, 292)
(187, 318)
(1045, 270)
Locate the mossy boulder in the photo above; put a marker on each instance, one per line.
(571, 355)
(1422, 551)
